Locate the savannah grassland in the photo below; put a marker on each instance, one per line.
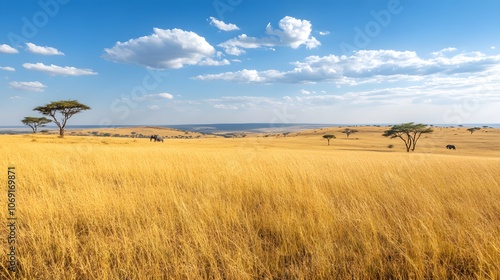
(256, 207)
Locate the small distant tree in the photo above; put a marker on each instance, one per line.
(67, 108)
(409, 133)
(348, 131)
(328, 137)
(473, 129)
(35, 122)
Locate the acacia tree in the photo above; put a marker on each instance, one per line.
(66, 108)
(473, 129)
(328, 137)
(35, 122)
(348, 131)
(409, 133)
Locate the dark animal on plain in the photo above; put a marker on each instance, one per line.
(451, 147)
(156, 137)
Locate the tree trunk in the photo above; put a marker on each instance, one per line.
(61, 132)
(328, 142)
(408, 146)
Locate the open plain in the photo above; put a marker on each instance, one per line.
(260, 206)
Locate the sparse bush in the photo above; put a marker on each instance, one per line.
(472, 129)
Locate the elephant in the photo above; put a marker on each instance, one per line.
(451, 147)
(156, 137)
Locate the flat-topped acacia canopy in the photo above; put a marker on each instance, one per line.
(408, 132)
(67, 108)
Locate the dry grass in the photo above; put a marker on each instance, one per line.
(282, 208)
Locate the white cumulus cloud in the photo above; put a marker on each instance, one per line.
(155, 96)
(58, 70)
(243, 76)
(7, 68)
(7, 49)
(237, 46)
(292, 33)
(32, 48)
(165, 95)
(164, 49)
(366, 66)
(222, 25)
(212, 62)
(28, 86)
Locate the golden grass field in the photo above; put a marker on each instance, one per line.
(256, 207)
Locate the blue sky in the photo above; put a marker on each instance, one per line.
(228, 61)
